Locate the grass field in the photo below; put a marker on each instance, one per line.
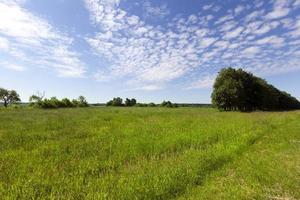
(149, 153)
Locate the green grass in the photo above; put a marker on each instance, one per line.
(148, 153)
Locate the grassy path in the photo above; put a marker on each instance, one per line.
(269, 169)
(148, 153)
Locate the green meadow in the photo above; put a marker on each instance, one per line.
(148, 153)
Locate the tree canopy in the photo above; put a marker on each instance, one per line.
(9, 96)
(240, 90)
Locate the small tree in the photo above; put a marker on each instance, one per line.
(82, 101)
(168, 104)
(115, 102)
(130, 102)
(9, 96)
(66, 103)
(151, 105)
(133, 102)
(37, 99)
(127, 102)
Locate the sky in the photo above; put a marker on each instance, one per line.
(151, 50)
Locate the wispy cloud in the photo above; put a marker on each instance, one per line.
(36, 42)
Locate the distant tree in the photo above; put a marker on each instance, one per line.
(109, 103)
(82, 101)
(66, 103)
(168, 104)
(115, 102)
(141, 105)
(133, 102)
(130, 102)
(151, 105)
(36, 99)
(9, 96)
(127, 102)
(75, 102)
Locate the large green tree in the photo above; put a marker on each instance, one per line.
(9, 96)
(240, 90)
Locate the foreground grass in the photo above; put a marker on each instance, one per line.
(148, 153)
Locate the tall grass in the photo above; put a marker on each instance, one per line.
(140, 153)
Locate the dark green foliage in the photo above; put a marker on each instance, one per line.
(9, 97)
(39, 102)
(141, 105)
(130, 102)
(82, 101)
(168, 104)
(151, 105)
(240, 90)
(119, 102)
(66, 103)
(115, 102)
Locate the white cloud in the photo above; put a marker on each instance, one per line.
(207, 7)
(263, 29)
(206, 42)
(296, 4)
(224, 19)
(4, 44)
(150, 88)
(12, 66)
(239, 9)
(34, 41)
(156, 55)
(251, 50)
(159, 11)
(280, 10)
(234, 33)
(271, 40)
(205, 82)
(278, 13)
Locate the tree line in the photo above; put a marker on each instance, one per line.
(239, 90)
(41, 102)
(117, 101)
(234, 89)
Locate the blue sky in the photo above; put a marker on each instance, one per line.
(148, 49)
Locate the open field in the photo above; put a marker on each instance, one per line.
(149, 153)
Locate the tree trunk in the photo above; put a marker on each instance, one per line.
(5, 104)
